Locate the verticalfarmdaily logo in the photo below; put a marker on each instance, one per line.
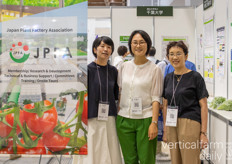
(19, 50)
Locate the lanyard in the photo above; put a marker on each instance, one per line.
(174, 90)
(99, 79)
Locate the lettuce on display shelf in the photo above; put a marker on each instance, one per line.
(217, 101)
(226, 105)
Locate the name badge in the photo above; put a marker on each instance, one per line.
(103, 111)
(136, 106)
(172, 114)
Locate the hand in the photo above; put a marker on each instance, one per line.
(165, 137)
(127, 53)
(203, 141)
(152, 131)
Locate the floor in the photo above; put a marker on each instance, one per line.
(49, 159)
(27, 159)
(46, 160)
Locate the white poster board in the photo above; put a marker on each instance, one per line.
(199, 55)
(208, 66)
(208, 32)
(167, 39)
(220, 52)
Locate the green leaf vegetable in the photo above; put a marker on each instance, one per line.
(226, 105)
(217, 101)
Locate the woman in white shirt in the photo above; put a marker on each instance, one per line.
(141, 84)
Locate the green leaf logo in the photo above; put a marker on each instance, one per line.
(25, 56)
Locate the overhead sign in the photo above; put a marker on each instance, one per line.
(207, 4)
(154, 11)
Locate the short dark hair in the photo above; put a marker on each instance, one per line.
(179, 44)
(152, 51)
(107, 40)
(122, 50)
(144, 35)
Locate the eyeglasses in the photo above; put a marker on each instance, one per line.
(138, 43)
(178, 54)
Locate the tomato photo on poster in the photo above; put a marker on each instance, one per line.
(36, 128)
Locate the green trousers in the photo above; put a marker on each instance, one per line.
(134, 141)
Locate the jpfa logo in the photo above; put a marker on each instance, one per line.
(22, 51)
(19, 50)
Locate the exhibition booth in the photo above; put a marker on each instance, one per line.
(206, 28)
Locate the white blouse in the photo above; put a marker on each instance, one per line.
(143, 81)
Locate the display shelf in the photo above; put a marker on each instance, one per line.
(220, 133)
(224, 115)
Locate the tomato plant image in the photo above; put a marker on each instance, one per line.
(83, 150)
(7, 123)
(36, 129)
(57, 139)
(13, 119)
(84, 117)
(38, 149)
(40, 117)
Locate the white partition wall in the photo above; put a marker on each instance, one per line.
(218, 141)
(99, 23)
(99, 12)
(181, 24)
(124, 21)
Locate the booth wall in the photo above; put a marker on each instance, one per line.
(220, 21)
(99, 12)
(124, 20)
(230, 50)
(182, 23)
(98, 24)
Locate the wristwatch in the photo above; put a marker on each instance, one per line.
(155, 122)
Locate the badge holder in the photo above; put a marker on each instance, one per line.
(172, 115)
(136, 106)
(103, 111)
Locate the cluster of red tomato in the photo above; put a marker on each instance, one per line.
(38, 125)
